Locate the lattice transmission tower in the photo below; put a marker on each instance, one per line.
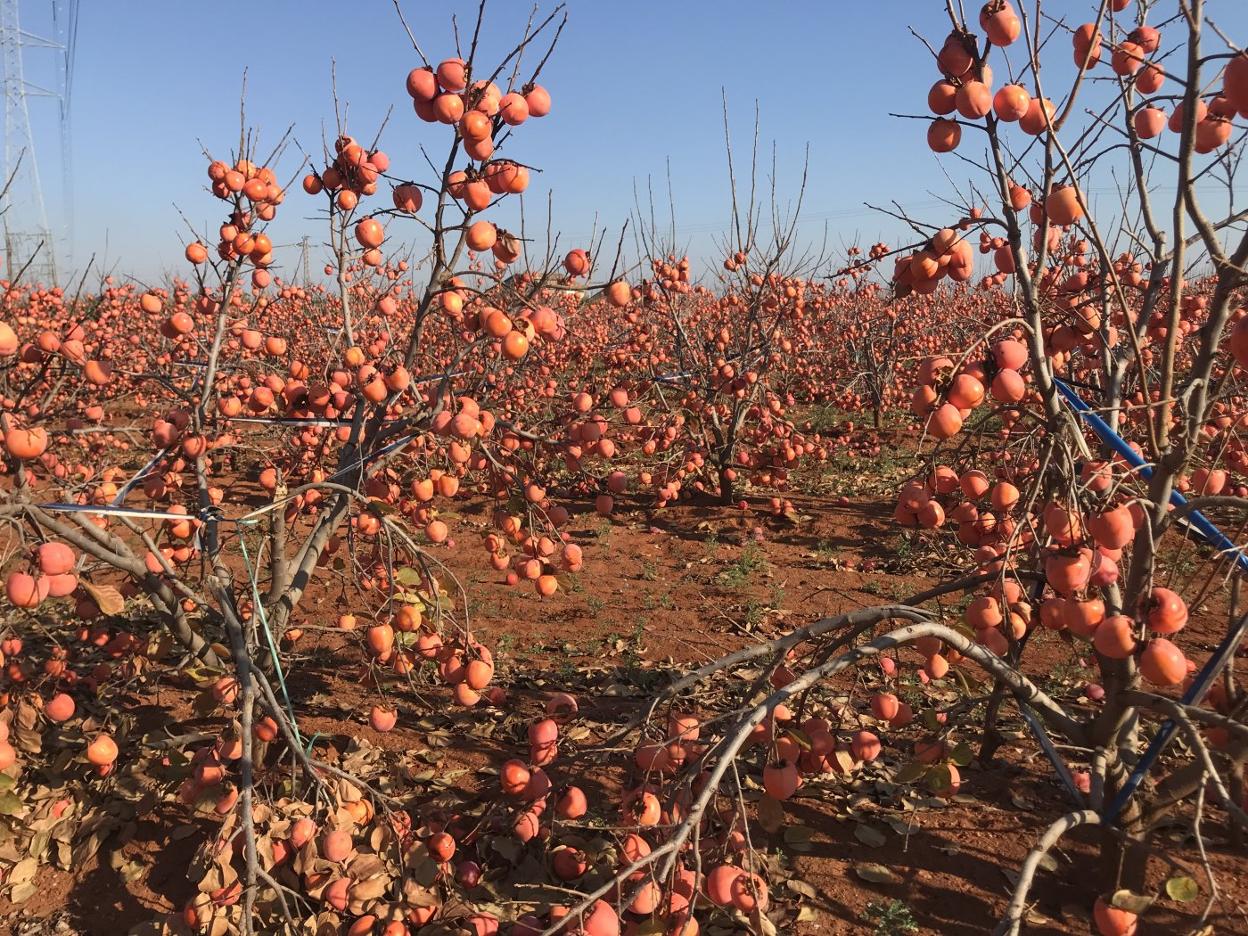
(30, 243)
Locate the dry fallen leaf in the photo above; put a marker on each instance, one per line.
(801, 887)
(876, 873)
(869, 835)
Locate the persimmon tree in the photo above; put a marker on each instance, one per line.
(1068, 514)
(1134, 309)
(871, 333)
(724, 347)
(193, 470)
(874, 343)
(283, 439)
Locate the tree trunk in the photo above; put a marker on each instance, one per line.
(1127, 851)
(1236, 833)
(726, 490)
(1124, 844)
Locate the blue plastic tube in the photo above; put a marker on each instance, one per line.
(1215, 538)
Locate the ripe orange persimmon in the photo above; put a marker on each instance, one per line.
(102, 751)
(943, 136)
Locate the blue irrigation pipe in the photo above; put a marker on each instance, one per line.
(1215, 538)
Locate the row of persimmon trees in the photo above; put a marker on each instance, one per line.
(184, 463)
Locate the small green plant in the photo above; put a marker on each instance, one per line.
(754, 613)
(825, 550)
(663, 600)
(1066, 673)
(631, 648)
(711, 544)
(890, 919)
(649, 571)
(744, 566)
(903, 547)
(1184, 567)
(486, 609)
(594, 603)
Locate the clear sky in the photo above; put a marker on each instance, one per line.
(634, 84)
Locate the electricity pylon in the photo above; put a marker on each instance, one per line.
(29, 241)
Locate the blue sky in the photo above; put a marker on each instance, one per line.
(634, 85)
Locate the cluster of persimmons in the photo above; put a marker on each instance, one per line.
(157, 413)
